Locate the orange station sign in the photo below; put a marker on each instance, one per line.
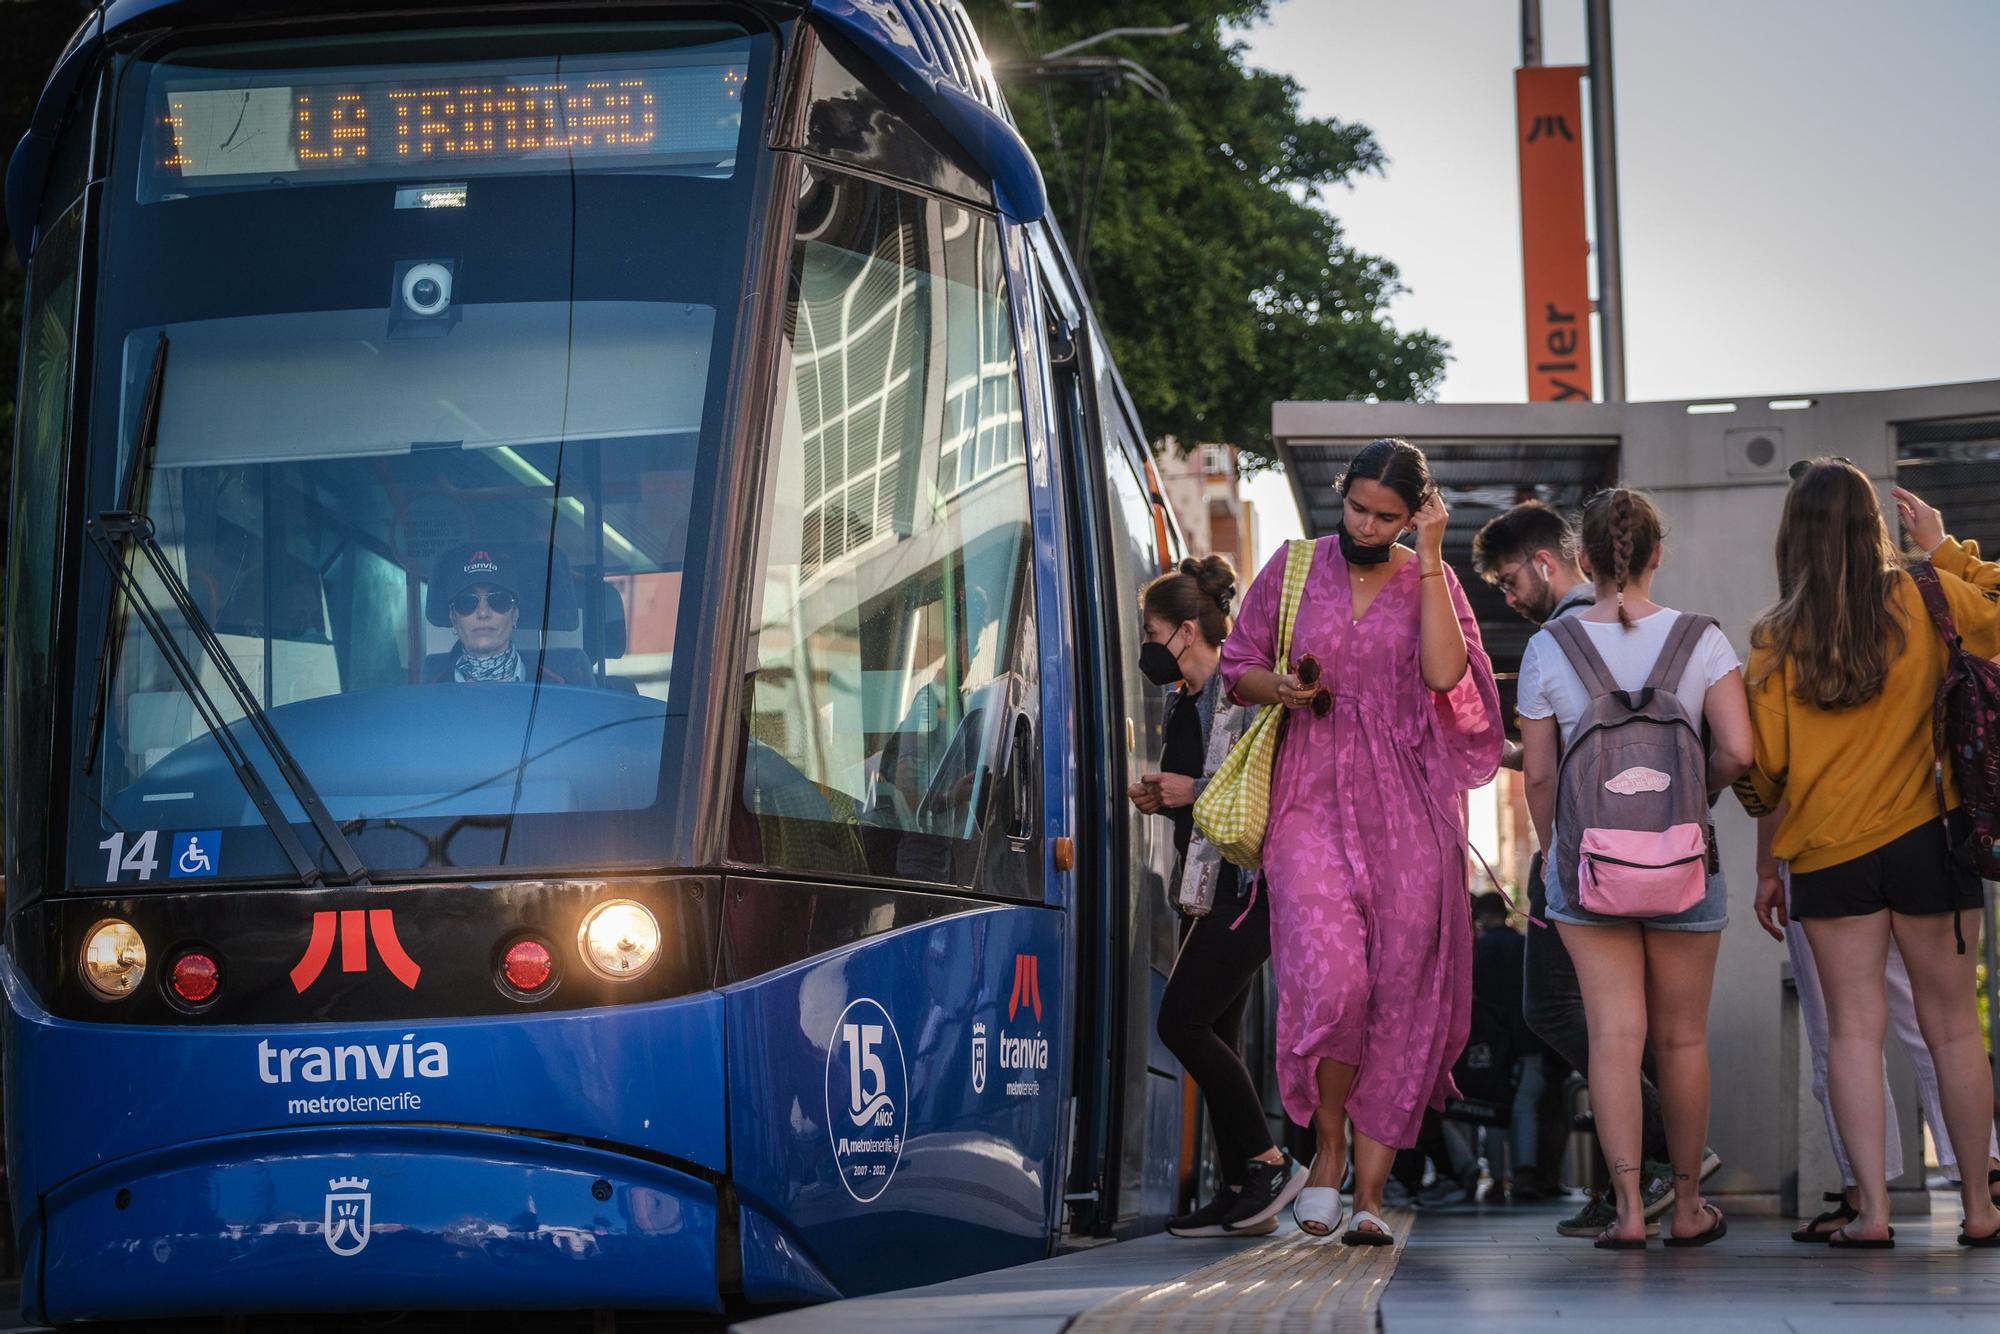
(1555, 248)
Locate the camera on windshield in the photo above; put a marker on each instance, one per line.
(420, 299)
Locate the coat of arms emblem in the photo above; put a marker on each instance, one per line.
(349, 1211)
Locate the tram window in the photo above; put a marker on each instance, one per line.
(300, 490)
(43, 425)
(69, 164)
(891, 654)
(439, 524)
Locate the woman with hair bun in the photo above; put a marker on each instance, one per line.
(1393, 716)
(1646, 974)
(1186, 619)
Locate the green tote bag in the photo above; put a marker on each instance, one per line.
(1235, 807)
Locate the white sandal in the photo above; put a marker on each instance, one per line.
(1319, 1210)
(1356, 1237)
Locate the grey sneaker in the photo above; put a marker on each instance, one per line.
(1658, 1192)
(1599, 1213)
(1596, 1215)
(1711, 1162)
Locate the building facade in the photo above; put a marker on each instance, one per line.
(1203, 487)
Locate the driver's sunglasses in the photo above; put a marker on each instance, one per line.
(1308, 672)
(1800, 466)
(501, 601)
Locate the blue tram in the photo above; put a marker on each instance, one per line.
(570, 662)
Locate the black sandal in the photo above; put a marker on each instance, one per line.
(1840, 1241)
(1716, 1231)
(1844, 1214)
(1607, 1240)
(1991, 1241)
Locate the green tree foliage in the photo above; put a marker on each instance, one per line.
(1224, 282)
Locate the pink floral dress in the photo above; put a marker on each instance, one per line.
(1364, 858)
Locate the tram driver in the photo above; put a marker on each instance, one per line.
(477, 588)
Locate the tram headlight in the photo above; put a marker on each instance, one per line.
(114, 958)
(619, 939)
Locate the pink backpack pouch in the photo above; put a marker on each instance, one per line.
(1642, 873)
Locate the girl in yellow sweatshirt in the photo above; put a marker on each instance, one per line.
(1843, 673)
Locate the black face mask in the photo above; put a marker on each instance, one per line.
(1159, 663)
(1356, 554)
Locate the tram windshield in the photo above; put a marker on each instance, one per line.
(440, 325)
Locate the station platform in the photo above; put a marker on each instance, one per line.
(1498, 1270)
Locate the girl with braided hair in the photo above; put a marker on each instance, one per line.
(1642, 977)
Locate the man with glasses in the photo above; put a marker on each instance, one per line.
(1529, 554)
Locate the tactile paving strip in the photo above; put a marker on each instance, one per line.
(1292, 1284)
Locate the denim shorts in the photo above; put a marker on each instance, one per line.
(1711, 914)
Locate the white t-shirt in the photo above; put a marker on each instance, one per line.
(1550, 686)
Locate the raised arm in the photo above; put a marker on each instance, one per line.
(1925, 528)
(1440, 638)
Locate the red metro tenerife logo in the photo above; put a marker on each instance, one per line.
(354, 926)
(1027, 986)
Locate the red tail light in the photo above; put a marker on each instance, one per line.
(527, 966)
(195, 977)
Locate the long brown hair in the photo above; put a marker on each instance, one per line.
(1620, 530)
(1198, 591)
(1836, 618)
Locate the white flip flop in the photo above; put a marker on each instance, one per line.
(1319, 1210)
(1354, 1236)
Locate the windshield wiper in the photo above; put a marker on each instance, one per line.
(109, 533)
(108, 650)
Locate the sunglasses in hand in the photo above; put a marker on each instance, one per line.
(1308, 672)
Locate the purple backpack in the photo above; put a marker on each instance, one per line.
(1632, 833)
(1965, 725)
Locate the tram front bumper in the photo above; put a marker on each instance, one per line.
(384, 1218)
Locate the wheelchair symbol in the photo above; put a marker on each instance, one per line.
(195, 853)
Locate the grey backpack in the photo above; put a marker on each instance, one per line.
(1632, 833)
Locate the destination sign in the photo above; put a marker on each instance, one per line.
(326, 125)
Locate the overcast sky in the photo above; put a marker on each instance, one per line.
(1811, 188)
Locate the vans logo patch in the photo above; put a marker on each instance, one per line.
(1637, 779)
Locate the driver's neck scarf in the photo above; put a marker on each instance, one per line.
(500, 667)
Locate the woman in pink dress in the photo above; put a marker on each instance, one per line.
(1392, 715)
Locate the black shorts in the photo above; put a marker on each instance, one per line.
(1912, 874)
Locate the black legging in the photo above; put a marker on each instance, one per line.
(1201, 1021)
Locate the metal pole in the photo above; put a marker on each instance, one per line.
(1604, 163)
(1531, 32)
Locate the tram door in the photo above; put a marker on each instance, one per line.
(1124, 1145)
